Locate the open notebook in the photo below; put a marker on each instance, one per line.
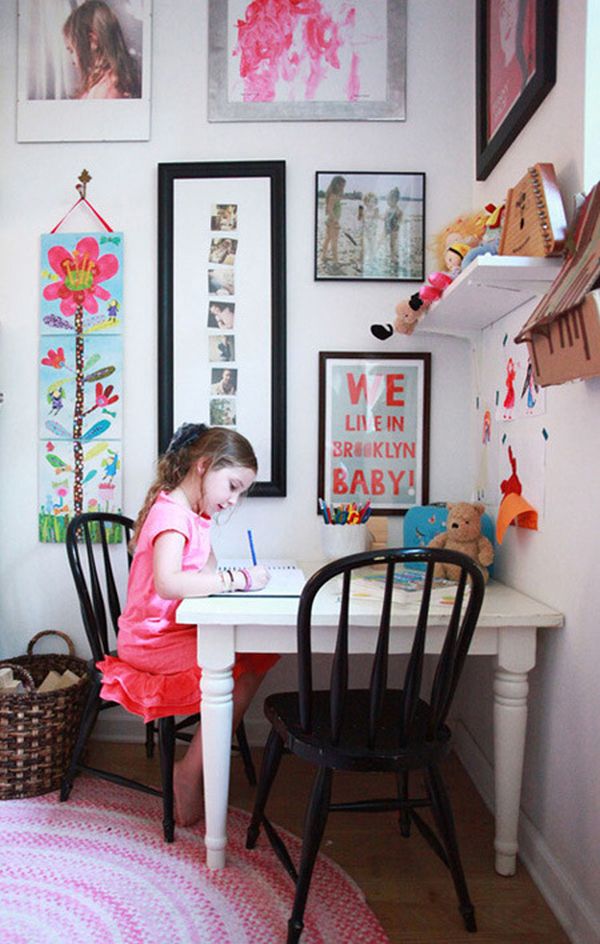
(287, 580)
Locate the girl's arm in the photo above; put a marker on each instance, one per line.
(173, 583)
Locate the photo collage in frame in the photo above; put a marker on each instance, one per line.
(221, 284)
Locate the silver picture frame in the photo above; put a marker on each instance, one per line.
(362, 79)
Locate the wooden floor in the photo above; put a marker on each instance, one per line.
(405, 884)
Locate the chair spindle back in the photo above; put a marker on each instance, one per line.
(459, 625)
(89, 537)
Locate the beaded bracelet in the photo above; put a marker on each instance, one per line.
(247, 578)
(227, 581)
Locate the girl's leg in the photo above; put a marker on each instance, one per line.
(187, 772)
(326, 241)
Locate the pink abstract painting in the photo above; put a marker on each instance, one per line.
(307, 50)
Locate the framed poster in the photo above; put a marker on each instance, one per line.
(516, 68)
(67, 88)
(370, 226)
(374, 430)
(221, 305)
(321, 61)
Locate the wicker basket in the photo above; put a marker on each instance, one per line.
(38, 730)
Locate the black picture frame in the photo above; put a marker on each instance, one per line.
(357, 245)
(492, 146)
(383, 445)
(254, 192)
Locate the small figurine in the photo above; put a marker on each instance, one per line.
(410, 311)
(490, 241)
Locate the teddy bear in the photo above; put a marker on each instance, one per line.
(463, 533)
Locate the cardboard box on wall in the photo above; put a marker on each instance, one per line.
(568, 348)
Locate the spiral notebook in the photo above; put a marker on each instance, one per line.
(287, 580)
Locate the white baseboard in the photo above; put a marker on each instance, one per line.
(572, 910)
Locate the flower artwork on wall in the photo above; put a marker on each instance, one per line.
(80, 366)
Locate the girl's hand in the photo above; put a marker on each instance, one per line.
(260, 576)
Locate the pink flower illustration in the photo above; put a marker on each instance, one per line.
(55, 358)
(105, 397)
(80, 273)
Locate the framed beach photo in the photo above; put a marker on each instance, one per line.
(374, 430)
(370, 226)
(67, 91)
(324, 61)
(221, 305)
(516, 68)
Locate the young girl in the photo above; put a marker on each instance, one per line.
(392, 219)
(203, 472)
(333, 212)
(95, 41)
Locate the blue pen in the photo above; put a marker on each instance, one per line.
(251, 543)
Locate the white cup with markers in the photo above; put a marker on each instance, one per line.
(344, 529)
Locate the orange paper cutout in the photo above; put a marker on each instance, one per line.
(515, 510)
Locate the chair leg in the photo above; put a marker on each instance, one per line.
(90, 713)
(246, 754)
(314, 827)
(270, 765)
(442, 812)
(166, 742)
(150, 732)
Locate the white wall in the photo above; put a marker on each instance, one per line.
(560, 835)
(37, 186)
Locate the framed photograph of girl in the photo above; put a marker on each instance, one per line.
(369, 226)
(84, 70)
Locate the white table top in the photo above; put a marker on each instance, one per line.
(502, 606)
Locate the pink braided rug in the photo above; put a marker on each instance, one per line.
(95, 870)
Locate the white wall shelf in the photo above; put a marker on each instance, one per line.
(489, 288)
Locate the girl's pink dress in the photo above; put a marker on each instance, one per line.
(156, 674)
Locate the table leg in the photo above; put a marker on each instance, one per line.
(510, 722)
(217, 717)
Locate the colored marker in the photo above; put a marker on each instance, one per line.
(251, 543)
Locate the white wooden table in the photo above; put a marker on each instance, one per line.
(234, 623)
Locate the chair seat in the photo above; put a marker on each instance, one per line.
(282, 710)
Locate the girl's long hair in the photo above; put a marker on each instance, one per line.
(218, 446)
(95, 16)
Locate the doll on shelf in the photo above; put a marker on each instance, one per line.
(410, 311)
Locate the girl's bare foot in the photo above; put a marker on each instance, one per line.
(187, 790)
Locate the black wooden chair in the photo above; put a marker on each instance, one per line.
(401, 730)
(90, 537)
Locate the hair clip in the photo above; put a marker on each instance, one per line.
(187, 433)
